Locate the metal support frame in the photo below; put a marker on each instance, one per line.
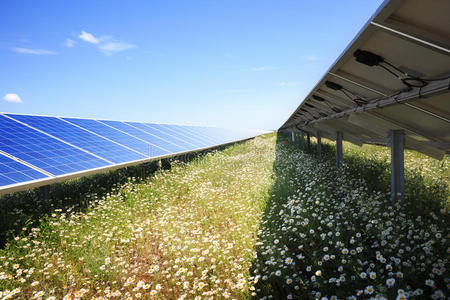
(44, 191)
(319, 145)
(308, 141)
(397, 143)
(339, 149)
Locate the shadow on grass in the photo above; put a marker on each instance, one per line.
(25, 209)
(423, 196)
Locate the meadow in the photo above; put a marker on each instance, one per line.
(261, 219)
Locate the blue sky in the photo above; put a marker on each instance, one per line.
(222, 63)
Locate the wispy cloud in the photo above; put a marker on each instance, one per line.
(33, 51)
(117, 46)
(69, 43)
(106, 44)
(310, 57)
(88, 37)
(285, 84)
(262, 69)
(13, 98)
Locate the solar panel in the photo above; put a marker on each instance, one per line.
(177, 138)
(394, 75)
(163, 136)
(81, 138)
(12, 172)
(116, 135)
(169, 129)
(218, 135)
(195, 134)
(182, 132)
(38, 150)
(42, 151)
(162, 146)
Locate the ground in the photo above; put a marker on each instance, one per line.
(259, 219)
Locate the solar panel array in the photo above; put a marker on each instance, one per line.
(36, 150)
(395, 75)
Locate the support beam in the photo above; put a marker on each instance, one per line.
(308, 141)
(397, 143)
(302, 140)
(293, 136)
(44, 191)
(319, 145)
(339, 149)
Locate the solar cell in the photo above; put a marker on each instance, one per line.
(163, 134)
(163, 146)
(111, 133)
(81, 138)
(168, 129)
(182, 132)
(43, 151)
(12, 172)
(195, 133)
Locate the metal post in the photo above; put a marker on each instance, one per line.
(319, 145)
(339, 149)
(44, 192)
(293, 136)
(308, 141)
(302, 140)
(396, 139)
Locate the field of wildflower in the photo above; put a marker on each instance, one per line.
(262, 219)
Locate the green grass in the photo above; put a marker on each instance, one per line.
(224, 224)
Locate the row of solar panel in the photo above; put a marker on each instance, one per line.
(38, 147)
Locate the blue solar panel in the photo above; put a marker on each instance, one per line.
(12, 172)
(210, 133)
(193, 131)
(37, 147)
(43, 151)
(81, 138)
(175, 134)
(165, 136)
(115, 135)
(183, 131)
(164, 146)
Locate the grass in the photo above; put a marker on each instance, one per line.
(260, 219)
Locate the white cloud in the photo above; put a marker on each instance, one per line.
(33, 51)
(87, 37)
(106, 44)
(116, 46)
(261, 69)
(285, 84)
(69, 43)
(14, 98)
